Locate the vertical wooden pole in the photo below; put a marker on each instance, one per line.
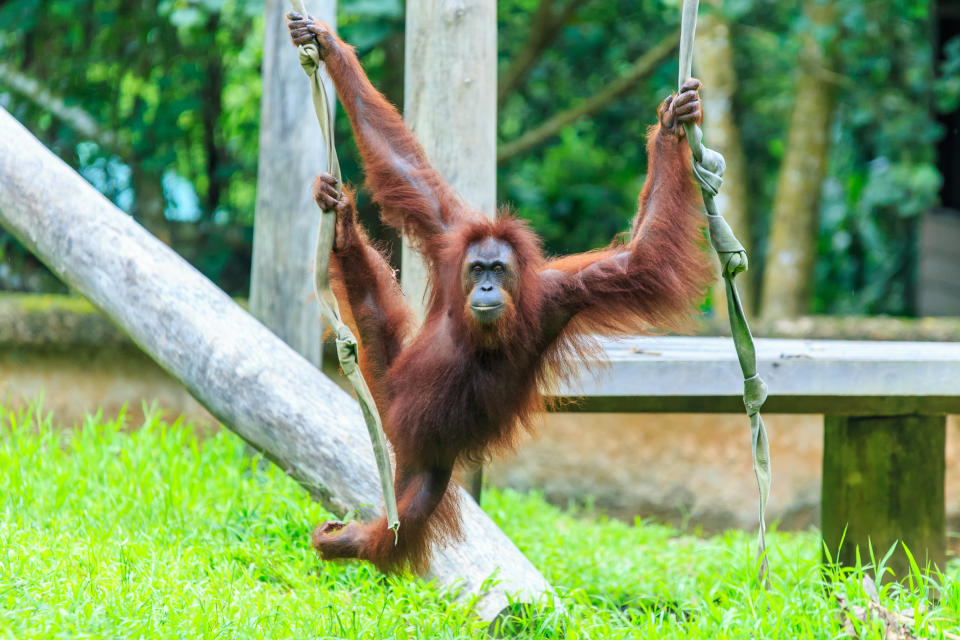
(450, 103)
(286, 219)
(883, 482)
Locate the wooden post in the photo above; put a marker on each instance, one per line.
(246, 376)
(883, 482)
(450, 103)
(286, 219)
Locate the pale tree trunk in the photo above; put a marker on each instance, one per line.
(788, 270)
(450, 103)
(286, 223)
(713, 64)
(246, 376)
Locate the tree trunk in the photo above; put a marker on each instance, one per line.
(788, 269)
(451, 61)
(713, 62)
(246, 376)
(210, 111)
(287, 219)
(149, 203)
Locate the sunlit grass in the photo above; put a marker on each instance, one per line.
(114, 532)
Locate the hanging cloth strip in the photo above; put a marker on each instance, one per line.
(347, 347)
(708, 166)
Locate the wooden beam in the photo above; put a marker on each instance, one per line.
(692, 375)
(246, 376)
(883, 483)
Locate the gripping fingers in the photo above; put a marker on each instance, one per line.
(690, 112)
(686, 107)
(325, 191)
(684, 99)
(304, 29)
(300, 33)
(691, 84)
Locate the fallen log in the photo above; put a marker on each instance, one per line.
(246, 376)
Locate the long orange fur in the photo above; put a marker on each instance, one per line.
(455, 391)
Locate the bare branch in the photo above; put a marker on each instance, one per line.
(545, 29)
(74, 117)
(643, 66)
(149, 203)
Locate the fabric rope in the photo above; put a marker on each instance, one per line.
(348, 350)
(708, 166)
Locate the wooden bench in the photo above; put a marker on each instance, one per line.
(884, 407)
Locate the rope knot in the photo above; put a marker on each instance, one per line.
(754, 393)
(309, 57)
(708, 165)
(348, 351)
(732, 254)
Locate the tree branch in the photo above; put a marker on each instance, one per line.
(643, 66)
(74, 117)
(545, 29)
(149, 202)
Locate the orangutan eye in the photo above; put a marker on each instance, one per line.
(498, 269)
(476, 270)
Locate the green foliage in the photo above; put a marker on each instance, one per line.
(882, 171)
(108, 531)
(178, 84)
(581, 189)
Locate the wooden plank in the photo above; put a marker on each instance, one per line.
(684, 374)
(940, 233)
(939, 264)
(883, 483)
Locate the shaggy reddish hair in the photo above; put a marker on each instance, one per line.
(457, 390)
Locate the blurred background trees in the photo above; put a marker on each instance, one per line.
(830, 114)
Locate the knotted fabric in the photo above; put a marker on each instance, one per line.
(708, 166)
(348, 349)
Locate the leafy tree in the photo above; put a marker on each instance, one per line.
(157, 103)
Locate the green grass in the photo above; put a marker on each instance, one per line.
(113, 532)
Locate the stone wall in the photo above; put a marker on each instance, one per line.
(693, 469)
(685, 468)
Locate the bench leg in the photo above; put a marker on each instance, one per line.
(883, 480)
